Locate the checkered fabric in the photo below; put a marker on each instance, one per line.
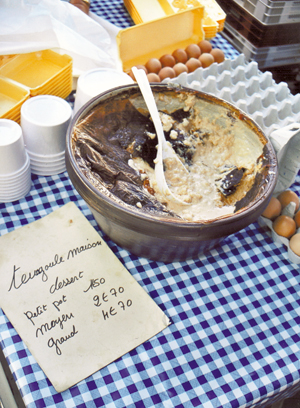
(113, 11)
(234, 338)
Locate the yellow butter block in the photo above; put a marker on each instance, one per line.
(143, 11)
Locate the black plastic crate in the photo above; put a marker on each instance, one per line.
(258, 33)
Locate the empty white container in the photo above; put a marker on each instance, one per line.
(15, 172)
(12, 149)
(94, 82)
(44, 121)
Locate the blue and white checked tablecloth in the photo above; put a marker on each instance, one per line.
(234, 340)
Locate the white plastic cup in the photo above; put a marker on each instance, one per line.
(16, 188)
(16, 194)
(59, 164)
(47, 165)
(44, 121)
(11, 177)
(18, 175)
(49, 170)
(47, 162)
(12, 150)
(94, 82)
(46, 158)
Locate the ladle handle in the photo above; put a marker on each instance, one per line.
(145, 88)
(163, 149)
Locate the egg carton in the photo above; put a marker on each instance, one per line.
(279, 240)
(286, 142)
(271, 105)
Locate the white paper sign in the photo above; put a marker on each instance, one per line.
(71, 300)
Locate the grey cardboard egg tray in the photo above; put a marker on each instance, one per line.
(271, 105)
(286, 142)
(279, 240)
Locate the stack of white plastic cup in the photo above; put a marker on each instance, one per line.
(15, 173)
(92, 83)
(44, 121)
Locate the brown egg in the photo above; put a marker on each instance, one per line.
(192, 64)
(180, 55)
(179, 68)
(206, 59)
(153, 77)
(295, 244)
(284, 226)
(167, 60)
(153, 65)
(205, 46)
(287, 196)
(297, 219)
(193, 51)
(139, 66)
(273, 209)
(166, 72)
(131, 74)
(81, 5)
(218, 55)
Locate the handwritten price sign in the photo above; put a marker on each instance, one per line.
(67, 294)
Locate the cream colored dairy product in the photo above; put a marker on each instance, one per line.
(197, 188)
(222, 142)
(222, 151)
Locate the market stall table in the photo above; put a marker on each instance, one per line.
(234, 337)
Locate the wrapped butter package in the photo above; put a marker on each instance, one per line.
(143, 11)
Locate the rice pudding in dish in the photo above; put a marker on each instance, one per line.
(114, 145)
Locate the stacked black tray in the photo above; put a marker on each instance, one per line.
(267, 32)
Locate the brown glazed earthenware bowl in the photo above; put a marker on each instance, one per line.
(147, 234)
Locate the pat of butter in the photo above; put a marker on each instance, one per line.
(149, 13)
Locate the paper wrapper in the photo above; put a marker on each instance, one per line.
(37, 25)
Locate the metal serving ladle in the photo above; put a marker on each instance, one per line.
(164, 149)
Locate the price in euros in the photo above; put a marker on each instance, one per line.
(105, 297)
(98, 300)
